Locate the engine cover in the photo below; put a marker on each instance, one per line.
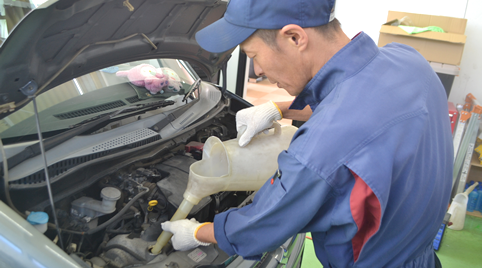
(176, 175)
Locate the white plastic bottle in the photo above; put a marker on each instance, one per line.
(458, 208)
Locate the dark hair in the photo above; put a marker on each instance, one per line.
(269, 36)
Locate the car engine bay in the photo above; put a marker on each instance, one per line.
(109, 205)
(146, 196)
(110, 209)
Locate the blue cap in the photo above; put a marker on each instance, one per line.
(35, 218)
(244, 17)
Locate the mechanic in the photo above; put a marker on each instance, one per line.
(369, 174)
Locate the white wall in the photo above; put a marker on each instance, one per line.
(367, 16)
(470, 77)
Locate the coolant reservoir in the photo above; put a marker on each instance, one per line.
(225, 166)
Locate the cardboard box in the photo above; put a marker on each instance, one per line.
(434, 46)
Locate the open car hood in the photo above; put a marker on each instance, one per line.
(65, 39)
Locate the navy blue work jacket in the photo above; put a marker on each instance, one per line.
(369, 174)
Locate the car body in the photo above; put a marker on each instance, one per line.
(104, 136)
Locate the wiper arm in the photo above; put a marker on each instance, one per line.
(82, 127)
(133, 108)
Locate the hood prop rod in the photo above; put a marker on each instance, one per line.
(224, 70)
(29, 90)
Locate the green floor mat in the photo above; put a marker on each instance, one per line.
(309, 258)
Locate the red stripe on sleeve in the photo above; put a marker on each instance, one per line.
(366, 211)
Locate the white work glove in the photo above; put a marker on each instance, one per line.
(253, 120)
(184, 233)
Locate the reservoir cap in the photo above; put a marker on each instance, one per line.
(40, 217)
(110, 194)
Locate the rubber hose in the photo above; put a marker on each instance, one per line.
(125, 217)
(110, 228)
(118, 215)
(52, 226)
(110, 231)
(117, 231)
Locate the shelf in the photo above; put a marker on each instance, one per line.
(475, 213)
(475, 160)
(475, 174)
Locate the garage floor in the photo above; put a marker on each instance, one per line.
(309, 257)
(459, 248)
(462, 248)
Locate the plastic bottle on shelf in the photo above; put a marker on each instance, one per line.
(479, 201)
(473, 200)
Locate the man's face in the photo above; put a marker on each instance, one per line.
(282, 66)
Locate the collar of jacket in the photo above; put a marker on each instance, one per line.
(344, 64)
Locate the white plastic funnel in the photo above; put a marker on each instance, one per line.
(227, 167)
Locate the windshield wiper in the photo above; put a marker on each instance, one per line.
(133, 108)
(82, 127)
(194, 86)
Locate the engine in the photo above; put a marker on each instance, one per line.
(115, 221)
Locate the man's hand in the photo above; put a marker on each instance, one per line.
(184, 233)
(253, 120)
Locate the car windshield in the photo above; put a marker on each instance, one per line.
(100, 92)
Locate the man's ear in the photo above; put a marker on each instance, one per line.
(294, 35)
